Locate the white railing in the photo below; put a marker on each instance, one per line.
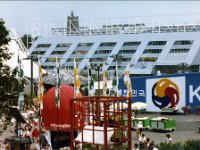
(125, 25)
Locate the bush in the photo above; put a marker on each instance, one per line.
(188, 145)
(186, 108)
(192, 145)
(173, 146)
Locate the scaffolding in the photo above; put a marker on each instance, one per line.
(108, 122)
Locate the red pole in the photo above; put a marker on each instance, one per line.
(129, 125)
(72, 125)
(105, 125)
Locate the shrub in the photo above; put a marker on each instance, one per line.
(186, 108)
(173, 146)
(192, 145)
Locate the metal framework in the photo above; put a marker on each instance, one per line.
(112, 26)
(106, 120)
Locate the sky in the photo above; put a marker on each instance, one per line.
(22, 15)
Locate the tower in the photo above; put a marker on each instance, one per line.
(72, 23)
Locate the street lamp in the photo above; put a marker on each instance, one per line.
(31, 59)
(116, 57)
(98, 68)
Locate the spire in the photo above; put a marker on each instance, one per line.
(72, 13)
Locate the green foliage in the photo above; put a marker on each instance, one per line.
(85, 92)
(8, 96)
(188, 145)
(192, 145)
(88, 147)
(28, 98)
(173, 146)
(27, 40)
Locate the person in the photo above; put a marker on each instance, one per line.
(139, 128)
(175, 109)
(35, 134)
(142, 140)
(146, 144)
(33, 145)
(7, 146)
(136, 146)
(152, 146)
(48, 138)
(133, 115)
(43, 139)
(37, 144)
(168, 139)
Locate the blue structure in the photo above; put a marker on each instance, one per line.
(165, 91)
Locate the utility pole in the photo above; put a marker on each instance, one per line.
(31, 59)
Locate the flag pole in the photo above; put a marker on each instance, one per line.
(57, 88)
(88, 69)
(104, 79)
(117, 77)
(39, 100)
(20, 84)
(57, 91)
(77, 83)
(74, 79)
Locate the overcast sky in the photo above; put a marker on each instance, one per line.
(19, 14)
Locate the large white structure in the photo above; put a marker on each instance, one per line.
(16, 47)
(138, 47)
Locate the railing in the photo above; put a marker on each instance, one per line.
(112, 26)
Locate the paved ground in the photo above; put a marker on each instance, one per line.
(187, 127)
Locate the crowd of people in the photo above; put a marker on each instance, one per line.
(40, 139)
(145, 142)
(32, 130)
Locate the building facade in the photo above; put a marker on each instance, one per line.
(141, 49)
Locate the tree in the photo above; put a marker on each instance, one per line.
(27, 39)
(8, 96)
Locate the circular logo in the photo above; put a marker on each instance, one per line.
(165, 93)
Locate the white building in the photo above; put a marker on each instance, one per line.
(144, 50)
(16, 47)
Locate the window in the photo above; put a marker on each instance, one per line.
(52, 59)
(38, 53)
(148, 59)
(183, 42)
(124, 59)
(122, 67)
(103, 52)
(131, 51)
(48, 67)
(179, 50)
(79, 52)
(96, 59)
(157, 43)
(109, 44)
(43, 45)
(63, 45)
(85, 44)
(152, 51)
(72, 59)
(131, 43)
(58, 52)
(111, 68)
